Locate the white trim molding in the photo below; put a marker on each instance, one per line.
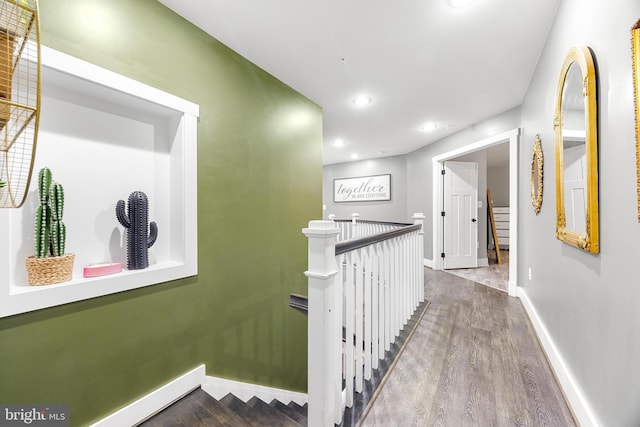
(576, 399)
(513, 138)
(220, 387)
(155, 401)
(428, 263)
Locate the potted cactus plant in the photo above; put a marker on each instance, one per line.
(50, 264)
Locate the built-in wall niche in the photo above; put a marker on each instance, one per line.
(103, 136)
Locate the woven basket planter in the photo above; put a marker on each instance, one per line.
(49, 270)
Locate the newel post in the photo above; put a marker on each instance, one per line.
(324, 325)
(418, 218)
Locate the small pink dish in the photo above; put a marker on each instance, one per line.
(95, 270)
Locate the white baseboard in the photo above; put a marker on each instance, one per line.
(220, 387)
(576, 399)
(483, 262)
(513, 288)
(155, 401)
(164, 396)
(428, 263)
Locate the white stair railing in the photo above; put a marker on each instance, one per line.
(355, 228)
(370, 287)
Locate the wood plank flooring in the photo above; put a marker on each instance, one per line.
(473, 360)
(361, 401)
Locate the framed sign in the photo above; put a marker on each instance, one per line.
(362, 189)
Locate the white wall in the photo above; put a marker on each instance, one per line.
(589, 303)
(394, 210)
(498, 183)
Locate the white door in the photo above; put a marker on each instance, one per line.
(574, 161)
(460, 215)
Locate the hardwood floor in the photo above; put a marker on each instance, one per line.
(474, 360)
(371, 387)
(494, 275)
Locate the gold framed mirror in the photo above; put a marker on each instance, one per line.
(635, 60)
(576, 138)
(537, 164)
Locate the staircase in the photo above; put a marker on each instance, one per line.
(200, 409)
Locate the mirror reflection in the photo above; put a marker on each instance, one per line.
(574, 152)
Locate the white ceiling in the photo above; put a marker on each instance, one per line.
(419, 61)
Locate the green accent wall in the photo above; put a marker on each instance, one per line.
(259, 183)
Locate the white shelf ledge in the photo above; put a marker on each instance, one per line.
(104, 135)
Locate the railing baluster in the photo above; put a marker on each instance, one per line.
(418, 218)
(349, 357)
(395, 289)
(402, 282)
(367, 311)
(336, 347)
(381, 300)
(375, 304)
(406, 280)
(355, 227)
(387, 295)
(358, 319)
(417, 267)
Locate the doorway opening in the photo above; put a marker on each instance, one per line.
(512, 138)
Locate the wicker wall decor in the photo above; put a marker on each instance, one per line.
(19, 97)
(635, 60)
(537, 172)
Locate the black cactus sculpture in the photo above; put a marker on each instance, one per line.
(137, 224)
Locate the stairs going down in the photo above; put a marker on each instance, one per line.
(200, 409)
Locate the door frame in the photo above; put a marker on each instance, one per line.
(513, 138)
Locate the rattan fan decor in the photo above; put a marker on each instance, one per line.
(19, 97)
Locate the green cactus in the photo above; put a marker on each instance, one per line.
(50, 231)
(58, 229)
(44, 185)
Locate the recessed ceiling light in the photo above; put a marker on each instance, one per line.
(461, 3)
(339, 142)
(361, 100)
(429, 127)
(354, 156)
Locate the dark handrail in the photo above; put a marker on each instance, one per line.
(351, 245)
(299, 302)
